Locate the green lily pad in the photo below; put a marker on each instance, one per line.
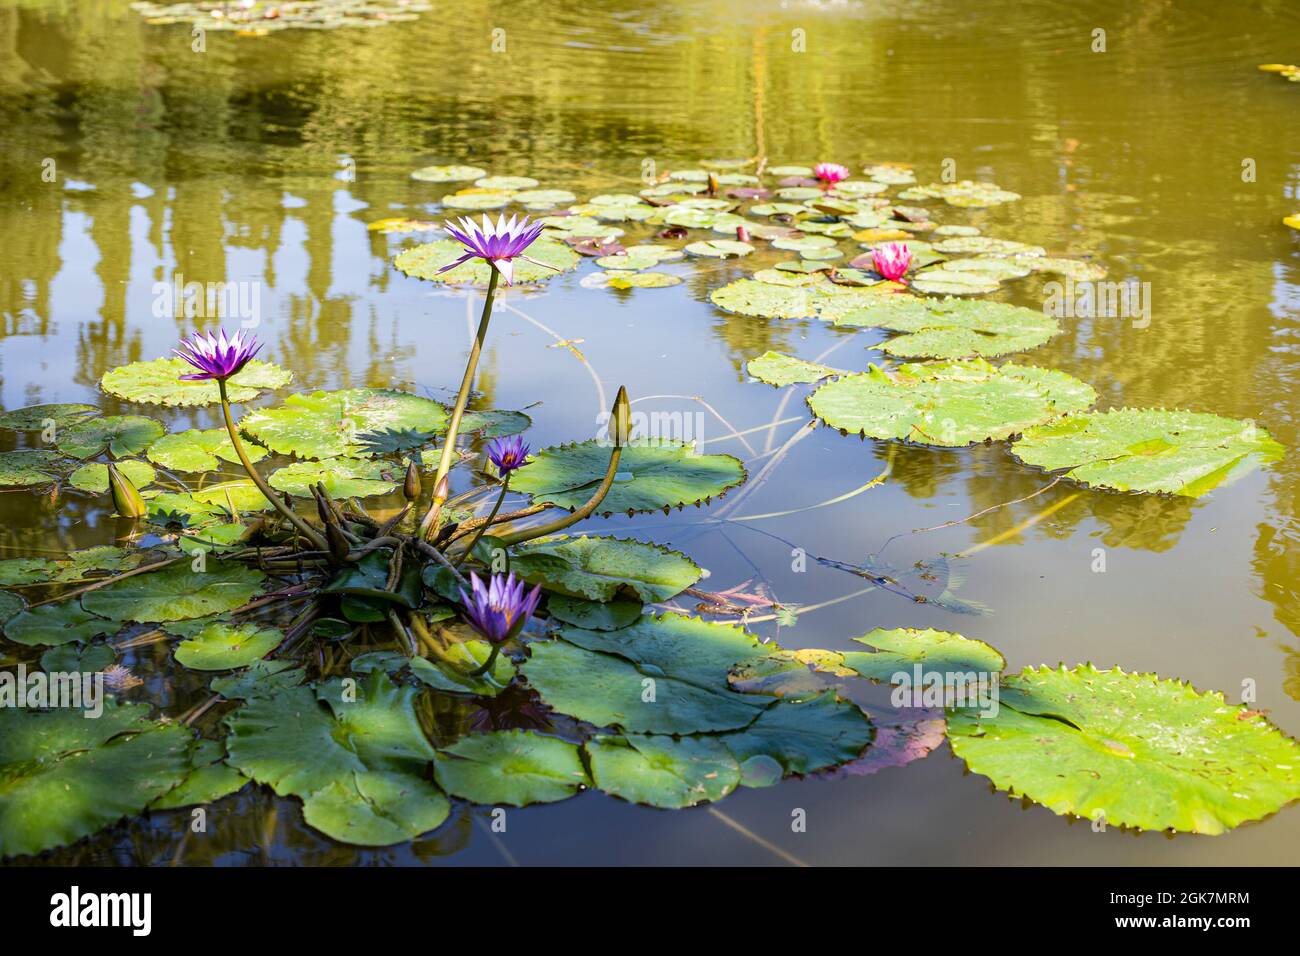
(663, 771)
(27, 467)
(223, 646)
(494, 423)
(799, 673)
(11, 604)
(120, 435)
(83, 564)
(78, 658)
(240, 494)
(263, 679)
(942, 282)
(640, 280)
(423, 262)
(508, 183)
(987, 246)
(1076, 269)
(35, 418)
(511, 767)
(368, 578)
(328, 424)
(776, 368)
(719, 248)
(804, 736)
(210, 778)
(903, 648)
(953, 328)
(176, 593)
(650, 477)
(53, 624)
(592, 615)
(94, 476)
(358, 764)
(67, 777)
(454, 673)
(15, 572)
(948, 404)
(477, 200)
(1000, 269)
(1150, 450)
(544, 198)
(198, 450)
(158, 383)
(602, 569)
(820, 299)
(660, 675)
(342, 478)
(448, 174)
(1134, 749)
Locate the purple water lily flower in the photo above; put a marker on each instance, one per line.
(497, 244)
(499, 610)
(508, 454)
(215, 356)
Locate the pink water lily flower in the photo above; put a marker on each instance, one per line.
(215, 356)
(830, 173)
(496, 244)
(892, 260)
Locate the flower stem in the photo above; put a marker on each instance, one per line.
(487, 522)
(528, 534)
(462, 398)
(487, 664)
(307, 530)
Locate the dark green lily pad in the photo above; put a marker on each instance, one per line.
(27, 467)
(602, 569)
(454, 672)
(67, 777)
(663, 771)
(62, 623)
(176, 593)
(1151, 450)
(804, 735)
(158, 383)
(650, 476)
(511, 767)
(119, 435)
(1135, 749)
(210, 778)
(592, 615)
(328, 424)
(35, 418)
(948, 403)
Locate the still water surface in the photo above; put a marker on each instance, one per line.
(263, 159)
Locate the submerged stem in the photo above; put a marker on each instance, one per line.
(307, 530)
(458, 411)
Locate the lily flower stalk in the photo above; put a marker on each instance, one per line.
(498, 245)
(620, 433)
(498, 611)
(508, 454)
(217, 358)
(892, 260)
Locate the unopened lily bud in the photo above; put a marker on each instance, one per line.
(620, 419)
(742, 234)
(713, 185)
(442, 489)
(339, 545)
(411, 487)
(126, 497)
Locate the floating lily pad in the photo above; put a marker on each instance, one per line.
(176, 593)
(210, 778)
(966, 194)
(328, 424)
(802, 673)
(24, 468)
(1075, 269)
(54, 624)
(477, 200)
(776, 368)
(1150, 450)
(719, 248)
(640, 280)
(358, 764)
(660, 675)
(263, 679)
(987, 246)
(942, 282)
(663, 771)
(158, 383)
(454, 672)
(11, 604)
(15, 572)
(1134, 749)
(67, 777)
(592, 615)
(508, 183)
(36, 418)
(948, 403)
(423, 262)
(94, 476)
(239, 495)
(771, 301)
(448, 174)
(222, 646)
(342, 478)
(511, 767)
(197, 450)
(650, 477)
(401, 225)
(953, 328)
(804, 735)
(602, 569)
(904, 648)
(544, 198)
(86, 562)
(119, 435)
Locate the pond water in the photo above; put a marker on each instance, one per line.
(262, 159)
